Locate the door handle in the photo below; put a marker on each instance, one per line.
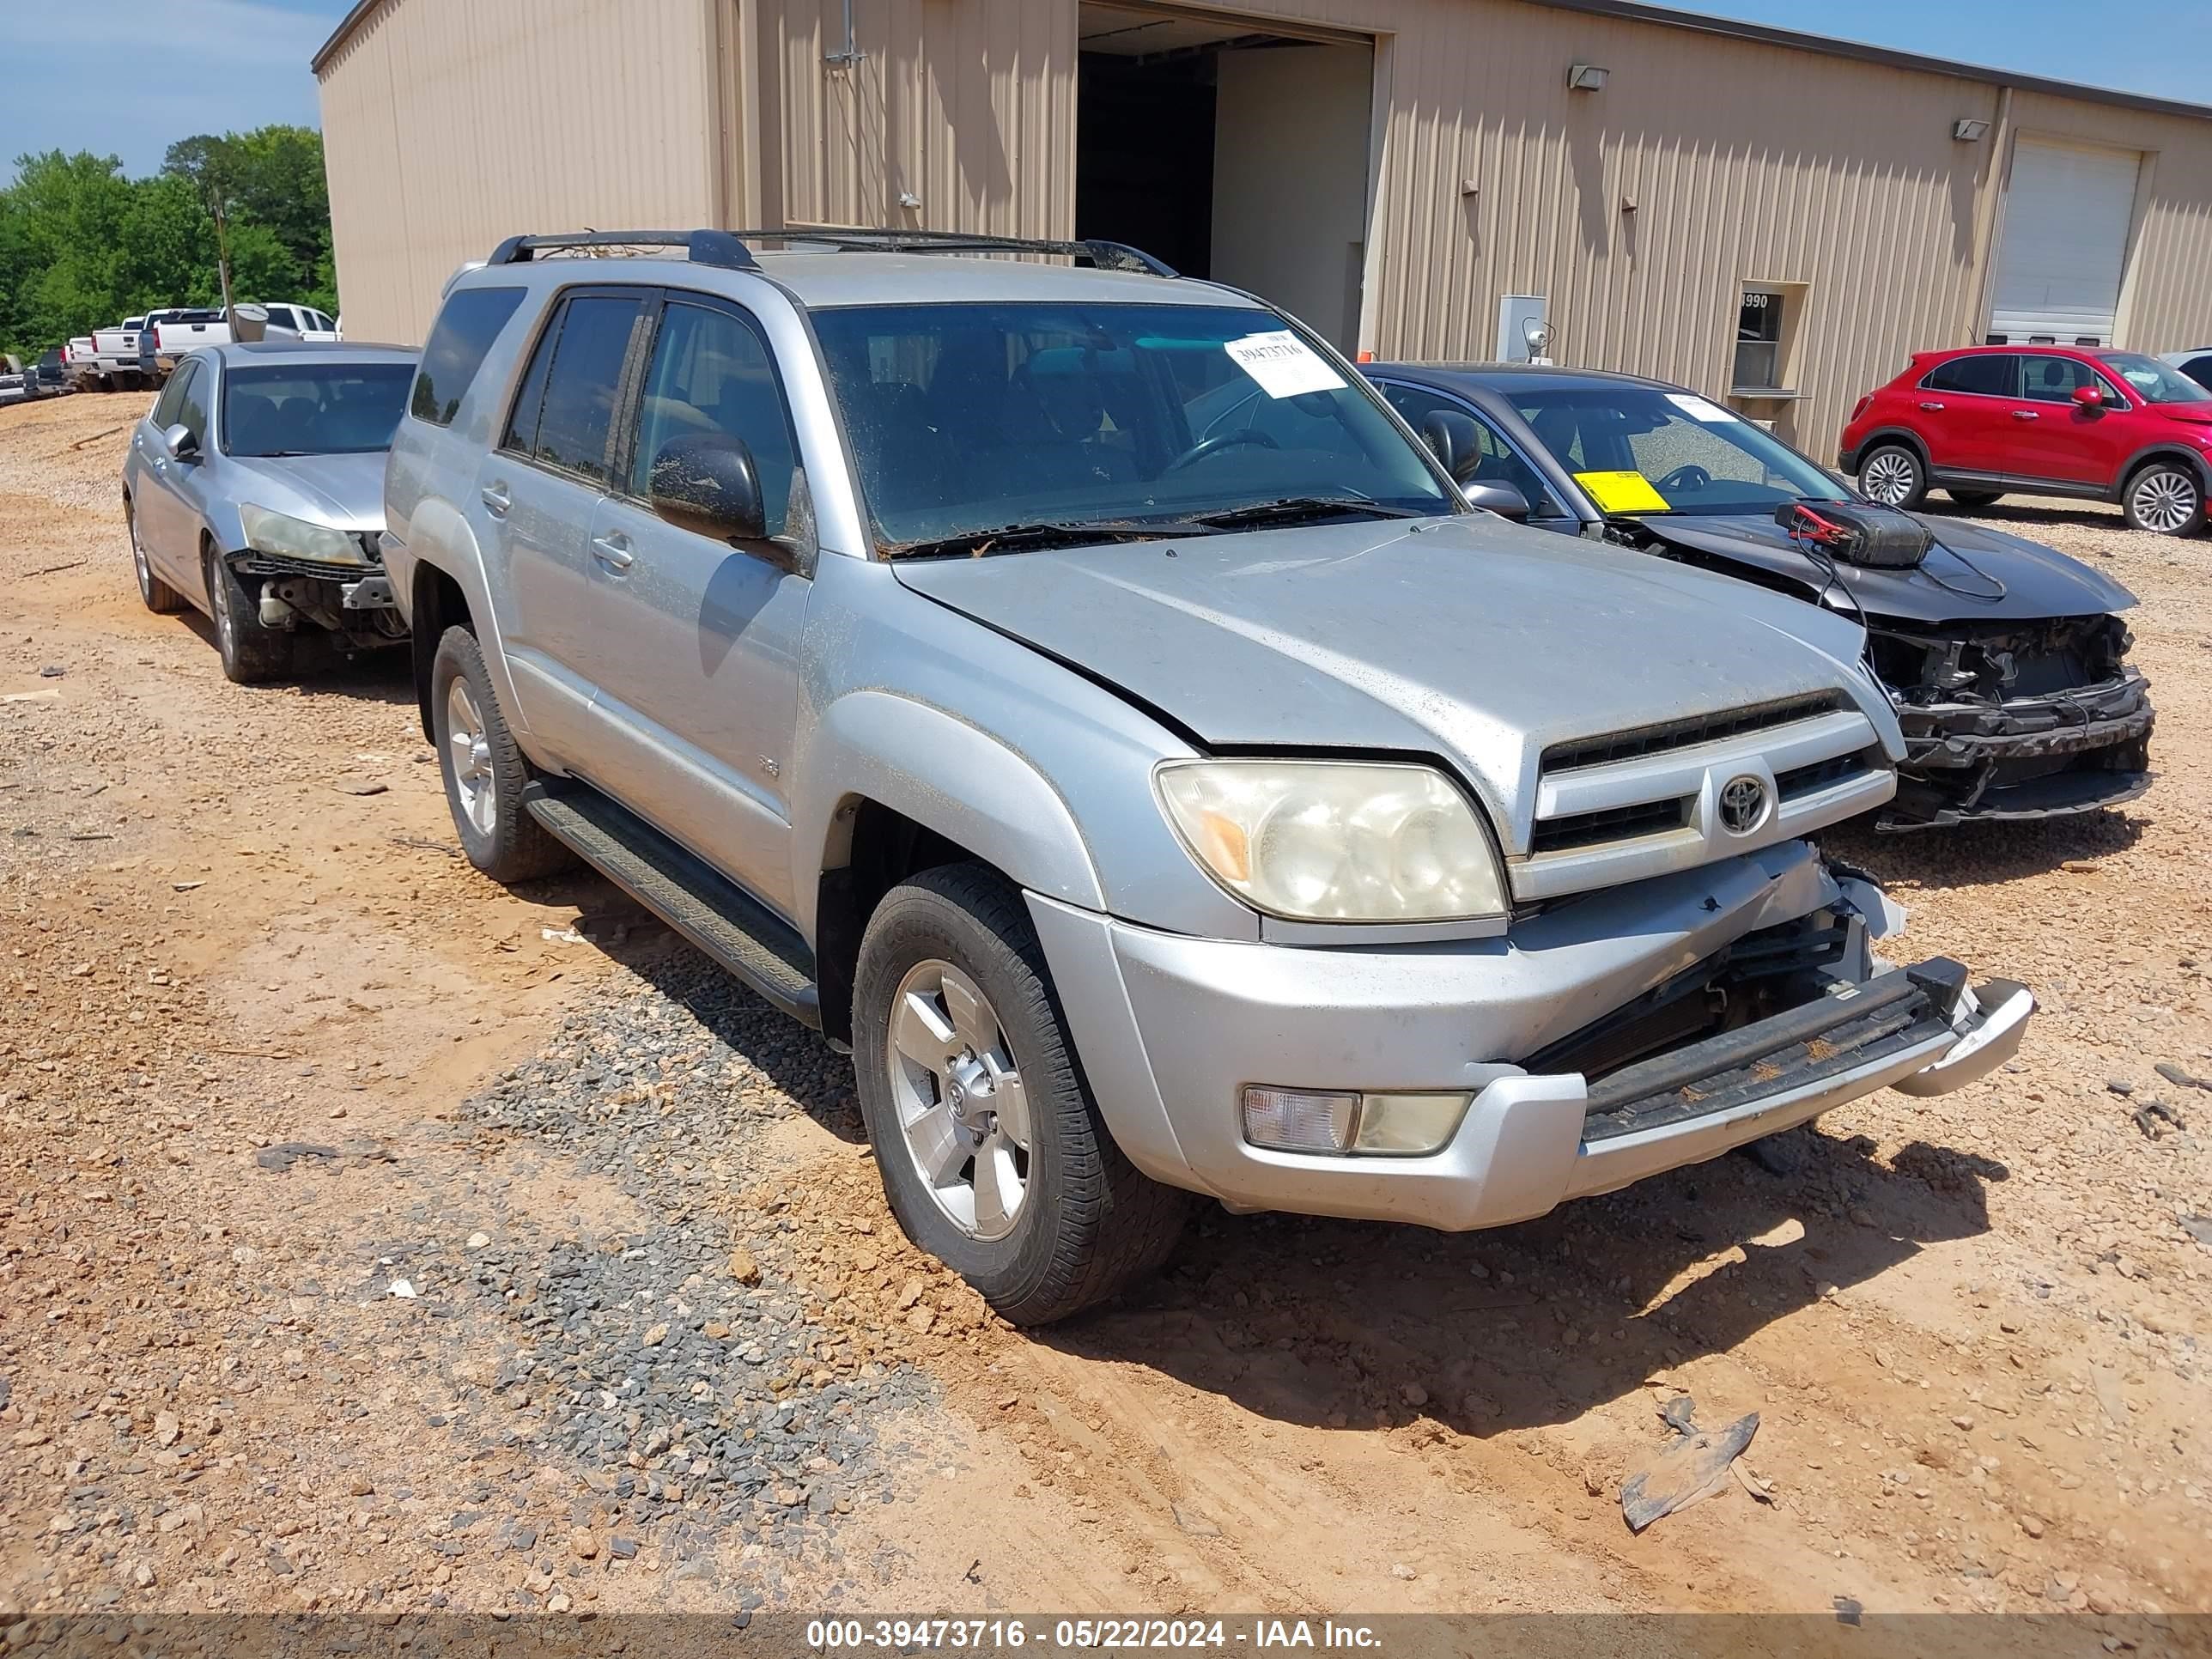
(496, 501)
(1931, 407)
(2025, 415)
(612, 550)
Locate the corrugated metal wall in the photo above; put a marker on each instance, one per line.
(449, 124)
(967, 107)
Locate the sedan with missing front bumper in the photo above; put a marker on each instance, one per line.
(1482, 1082)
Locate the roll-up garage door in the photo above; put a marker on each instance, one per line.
(2065, 246)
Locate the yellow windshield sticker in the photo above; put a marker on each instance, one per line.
(1621, 492)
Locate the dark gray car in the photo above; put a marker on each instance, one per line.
(2006, 659)
(254, 490)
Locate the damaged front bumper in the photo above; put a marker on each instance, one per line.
(2068, 751)
(1633, 1030)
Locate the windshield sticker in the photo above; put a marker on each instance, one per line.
(1283, 364)
(1621, 492)
(1699, 409)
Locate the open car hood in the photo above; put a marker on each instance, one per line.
(2037, 581)
(1464, 637)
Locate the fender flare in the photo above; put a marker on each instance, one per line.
(1007, 813)
(440, 538)
(2163, 449)
(1903, 437)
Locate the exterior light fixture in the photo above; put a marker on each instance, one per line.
(1969, 130)
(1585, 77)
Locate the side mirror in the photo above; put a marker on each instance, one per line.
(2089, 397)
(705, 482)
(180, 444)
(1504, 499)
(1455, 440)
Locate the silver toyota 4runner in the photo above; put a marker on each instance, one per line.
(1163, 790)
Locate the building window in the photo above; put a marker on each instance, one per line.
(1759, 341)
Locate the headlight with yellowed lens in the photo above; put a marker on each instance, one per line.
(290, 537)
(1336, 841)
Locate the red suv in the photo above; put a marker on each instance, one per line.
(2114, 426)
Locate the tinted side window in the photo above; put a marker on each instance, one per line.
(711, 373)
(2199, 369)
(1991, 376)
(173, 397)
(192, 409)
(1501, 462)
(582, 378)
(470, 322)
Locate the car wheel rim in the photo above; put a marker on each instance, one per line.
(1889, 478)
(469, 744)
(2165, 500)
(963, 1107)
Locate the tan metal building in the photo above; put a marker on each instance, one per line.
(1771, 217)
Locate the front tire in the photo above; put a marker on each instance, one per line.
(484, 768)
(251, 654)
(160, 598)
(2164, 498)
(1893, 475)
(992, 1152)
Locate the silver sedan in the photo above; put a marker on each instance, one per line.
(254, 490)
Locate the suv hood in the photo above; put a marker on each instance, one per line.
(1466, 638)
(2038, 581)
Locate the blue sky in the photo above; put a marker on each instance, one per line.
(230, 65)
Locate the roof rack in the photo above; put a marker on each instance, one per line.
(1091, 251)
(702, 247)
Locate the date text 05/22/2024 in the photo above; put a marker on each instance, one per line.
(1074, 1635)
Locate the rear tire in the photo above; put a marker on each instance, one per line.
(484, 768)
(953, 1012)
(1893, 475)
(160, 598)
(2164, 497)
(251, 654)
(1975, 500)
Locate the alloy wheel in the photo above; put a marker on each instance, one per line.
(961, 1104)
(475, 782)
(2164, 500)
(1889, 478)
(219, 596)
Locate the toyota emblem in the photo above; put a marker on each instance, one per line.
(1743, 804)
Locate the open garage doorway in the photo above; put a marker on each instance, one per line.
(1232, 152)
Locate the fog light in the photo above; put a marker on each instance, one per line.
(1407, 1125)
(1338, 1121)
(1299, 1120)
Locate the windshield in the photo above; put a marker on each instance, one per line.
(2153, 381)
(1638, 449)
(315, 408)
(969, 418)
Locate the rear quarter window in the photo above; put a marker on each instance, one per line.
(464, 333)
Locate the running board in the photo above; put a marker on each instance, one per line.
(731, 925)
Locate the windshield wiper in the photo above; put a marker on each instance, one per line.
(1028, 538)
(1306, 506)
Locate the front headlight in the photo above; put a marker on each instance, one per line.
(295, 538)
(1335, 841)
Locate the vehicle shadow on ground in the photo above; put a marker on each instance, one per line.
(797, 1061)
(1982, 854)
(1354, 1324)
(2024, 517)
(385, 675)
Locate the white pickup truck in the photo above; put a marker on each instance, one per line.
(176, 333)
(116, 359)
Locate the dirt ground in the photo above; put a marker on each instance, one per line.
(1973, 1329)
